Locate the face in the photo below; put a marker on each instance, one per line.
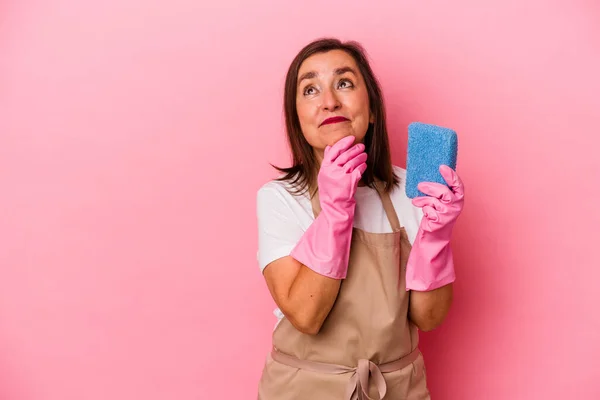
(331, 99)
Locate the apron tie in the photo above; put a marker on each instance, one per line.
(358, 387)
(367, 370)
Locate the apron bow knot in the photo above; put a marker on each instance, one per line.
(358, 387)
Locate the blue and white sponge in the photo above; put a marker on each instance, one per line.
(429, 146)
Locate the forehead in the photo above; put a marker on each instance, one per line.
(327, 63)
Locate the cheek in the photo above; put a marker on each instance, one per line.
(307, 118)
(362, 122)
(360, 129)
(303, 112)
(365, 114)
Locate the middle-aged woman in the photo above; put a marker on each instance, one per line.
(354, 266)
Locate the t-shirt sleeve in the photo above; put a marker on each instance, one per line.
(278, 227)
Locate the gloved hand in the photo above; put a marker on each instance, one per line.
(430, 264)
(325, 246)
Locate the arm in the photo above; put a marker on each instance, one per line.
(304, 296)
(427, 310)
(305, 282)
(430, 266)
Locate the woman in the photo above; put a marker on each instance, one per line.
(335, 238)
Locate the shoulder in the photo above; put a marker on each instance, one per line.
(399, 196)
(277, 199)
(399, 189)
(275, 190)
(400, 172)
(410, 215)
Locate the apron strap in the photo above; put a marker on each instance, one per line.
(316, 204)
(388, 207)
(386, 201)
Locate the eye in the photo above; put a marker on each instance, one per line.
(345, 83)
(309, 90)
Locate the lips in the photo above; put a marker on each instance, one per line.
(334, 120)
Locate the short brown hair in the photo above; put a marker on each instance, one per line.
(303, 172)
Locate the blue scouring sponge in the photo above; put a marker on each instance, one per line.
(429, 146)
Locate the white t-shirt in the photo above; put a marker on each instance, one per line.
(283, 217)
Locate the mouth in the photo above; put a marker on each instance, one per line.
(334, 120)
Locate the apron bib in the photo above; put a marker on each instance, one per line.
(367, 347)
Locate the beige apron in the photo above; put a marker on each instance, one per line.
(367, 347)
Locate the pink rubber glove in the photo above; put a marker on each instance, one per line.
(430, 264)
(325, 246)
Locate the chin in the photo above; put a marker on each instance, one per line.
(334, 140)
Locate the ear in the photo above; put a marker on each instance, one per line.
(371, 118)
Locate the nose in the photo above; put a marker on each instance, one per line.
(330, 101)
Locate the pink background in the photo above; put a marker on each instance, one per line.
(135, 134)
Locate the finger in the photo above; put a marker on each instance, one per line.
(359, 171)
(427, 201)
(436, 190)
(430, 213)
(431, 202)
(339, 147)
(355, 162)
(453, 180)
(350, 154)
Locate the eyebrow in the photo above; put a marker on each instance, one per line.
(337, 71)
